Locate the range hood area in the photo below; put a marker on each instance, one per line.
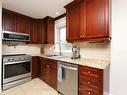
(13, 36)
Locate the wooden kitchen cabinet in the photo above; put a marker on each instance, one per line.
(33, 32)
(49, 29)
(37, 33)
(8, 21)
(73, 15)
(15, 22)
(41, 30)
(90, 81)
(41, 35)
(87, 20)
(23, 24)
(36, 69)
(49, 72)
(97, 18)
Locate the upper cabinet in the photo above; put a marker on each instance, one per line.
(87, 20)
(23, 24)
(37, 32)
(49, 28)
(41, 30)
(73, 21)
(15, 22)
(8, 21)
(33, 32)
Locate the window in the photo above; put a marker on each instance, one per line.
(61, 44)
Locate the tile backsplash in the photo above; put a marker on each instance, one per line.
(87, 50)
(20, 48)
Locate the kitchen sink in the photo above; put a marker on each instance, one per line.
(51, 55)
(56, 56)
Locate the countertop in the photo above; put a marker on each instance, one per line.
(99, 64)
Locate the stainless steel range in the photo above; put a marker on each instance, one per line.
(16, 70)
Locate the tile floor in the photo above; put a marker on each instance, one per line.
(34, 87)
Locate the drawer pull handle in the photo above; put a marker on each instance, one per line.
(89, 82)
(89, 93)
(89, 72)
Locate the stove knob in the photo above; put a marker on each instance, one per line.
(9, 60)
(19, 59)
(12, 59)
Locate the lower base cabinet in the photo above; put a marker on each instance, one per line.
(90, 81)
(35, 67)
(49, 72)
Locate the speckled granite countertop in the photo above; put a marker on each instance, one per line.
(99, 64)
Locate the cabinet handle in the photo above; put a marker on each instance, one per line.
(89, 72)
(80, 35)
(89, 82)
(89, 93)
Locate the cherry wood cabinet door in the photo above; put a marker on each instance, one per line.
(45, 71)
(49, 29)
(73, 15)
(87, 20)
(8, 21)
(49, 72)
(35, 67)
(53, 73)
(97, 12)
(23, 25)
(41, 34)
(37, 32)
(33, 32)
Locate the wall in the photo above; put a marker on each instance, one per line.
(20, 48)
(87, 50)
(0, 41)
(118, 69)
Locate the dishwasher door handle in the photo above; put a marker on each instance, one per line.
(69, 67)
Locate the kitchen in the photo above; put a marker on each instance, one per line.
(64, 49)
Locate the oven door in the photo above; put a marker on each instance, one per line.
(16, 71)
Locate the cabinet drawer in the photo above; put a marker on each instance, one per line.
(89, 70)
(93, 80)
(87, 90)
(87, 93)
(86, 74)
(89, 84)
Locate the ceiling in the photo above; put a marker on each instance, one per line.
(36, 8)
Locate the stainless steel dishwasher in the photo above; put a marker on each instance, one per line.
(67, 78)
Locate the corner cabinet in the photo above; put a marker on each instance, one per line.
(87, 20)
(90, 81)
(49, 29)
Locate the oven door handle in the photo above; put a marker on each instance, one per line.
(16, 62)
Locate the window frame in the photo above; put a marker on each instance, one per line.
(57, 39)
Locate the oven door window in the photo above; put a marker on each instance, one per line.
(12, 70)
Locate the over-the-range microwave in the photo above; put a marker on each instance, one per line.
(14, 36)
